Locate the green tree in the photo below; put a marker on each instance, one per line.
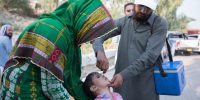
(117, 7)
(168, 9)
(182, 22)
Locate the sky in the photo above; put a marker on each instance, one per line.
(190, 8)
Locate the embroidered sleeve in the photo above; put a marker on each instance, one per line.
(52, 87)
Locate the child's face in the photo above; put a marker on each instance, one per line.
(100, 81)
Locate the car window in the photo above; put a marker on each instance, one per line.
(185, 36)
(173, 36)
(195, 36)
(177, 35)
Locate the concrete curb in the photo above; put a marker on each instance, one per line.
(90, 59)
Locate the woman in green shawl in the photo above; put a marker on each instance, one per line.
(46, 60)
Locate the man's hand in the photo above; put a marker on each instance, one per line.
(102, 61)
(117, 81)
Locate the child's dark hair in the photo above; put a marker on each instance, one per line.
(88, 83)
(130, 3)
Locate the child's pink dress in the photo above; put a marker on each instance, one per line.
(116, 96)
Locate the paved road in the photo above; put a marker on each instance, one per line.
(192, 74)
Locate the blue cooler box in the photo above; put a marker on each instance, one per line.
(174, 83)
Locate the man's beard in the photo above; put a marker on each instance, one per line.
(141, 18)
(10, 36)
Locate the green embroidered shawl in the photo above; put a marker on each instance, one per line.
(52, 42)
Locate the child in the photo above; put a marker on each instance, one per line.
(97, 87)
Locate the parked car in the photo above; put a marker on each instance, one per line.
(196, 38)
(181, 43)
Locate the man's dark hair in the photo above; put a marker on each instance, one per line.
(88, 83)
(130, 3)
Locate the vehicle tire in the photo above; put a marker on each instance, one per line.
(197, 52)
(177, 53)
(186, 53)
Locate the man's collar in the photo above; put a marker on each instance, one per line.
(131, 16)
(150, 20)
